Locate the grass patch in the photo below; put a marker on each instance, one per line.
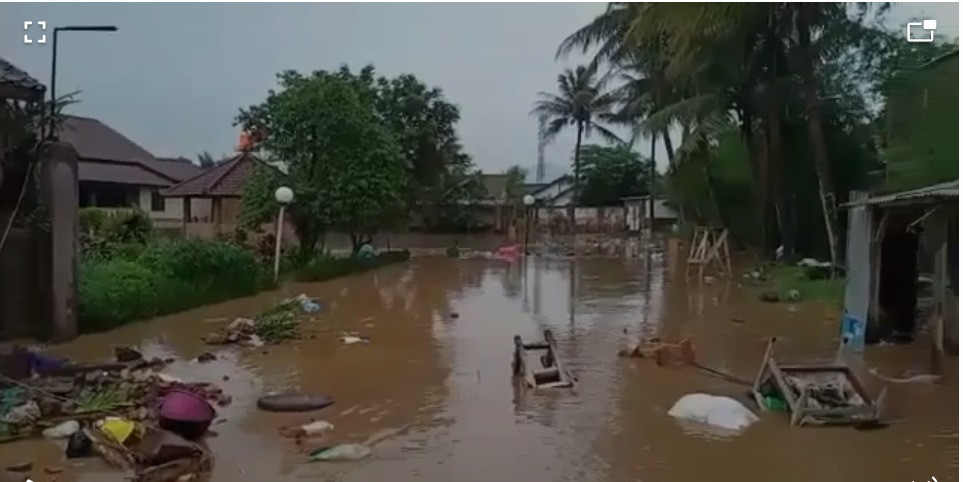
(788, 277)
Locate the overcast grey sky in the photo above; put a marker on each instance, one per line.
(174, 75)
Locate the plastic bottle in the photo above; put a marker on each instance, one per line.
(341, 452)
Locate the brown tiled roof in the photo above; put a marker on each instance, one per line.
(223, 180)
(17, 84)
(95, 141)
(120, 173)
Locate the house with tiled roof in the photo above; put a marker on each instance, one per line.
(115, 172)
(220, 189)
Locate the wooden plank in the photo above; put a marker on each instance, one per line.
(536, 346)
(562, 373)
(841, 412)
(814, 368)
(762, 366)
(796, 415)
(780, 379)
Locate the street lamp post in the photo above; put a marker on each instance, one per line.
(284, 195)
(529, 201)
(53, 61)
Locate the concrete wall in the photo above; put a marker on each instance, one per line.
(587, 219)
(20, 296)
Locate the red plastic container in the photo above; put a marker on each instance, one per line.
(186, 414)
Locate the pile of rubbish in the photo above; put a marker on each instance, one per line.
(275, 325)
(129, 413)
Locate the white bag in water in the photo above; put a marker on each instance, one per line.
(721, 412)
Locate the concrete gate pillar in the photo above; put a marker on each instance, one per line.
(59, 194)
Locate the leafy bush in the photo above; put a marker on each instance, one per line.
(103, 231)
(115, 291)
(327, 267)
(164, 277)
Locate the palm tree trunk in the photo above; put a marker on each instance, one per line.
(777, 175)
(578, 168)
(814, 122)
(652, 184)
(757, 161)
(668, 145)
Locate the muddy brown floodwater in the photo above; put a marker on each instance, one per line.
(438, 388)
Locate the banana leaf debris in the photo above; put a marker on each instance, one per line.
(111, 409)
(271, 326)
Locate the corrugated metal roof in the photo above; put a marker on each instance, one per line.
(943, 190)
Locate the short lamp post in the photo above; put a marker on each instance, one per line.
(528, 201)
(284, 195)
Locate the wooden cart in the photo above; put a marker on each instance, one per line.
(816, 394)
(538, 364)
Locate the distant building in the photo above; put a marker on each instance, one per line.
(115, 172)
(637, 212)
(556, 193)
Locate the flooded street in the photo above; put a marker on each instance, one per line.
(438, 389)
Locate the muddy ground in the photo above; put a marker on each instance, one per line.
(439, 387)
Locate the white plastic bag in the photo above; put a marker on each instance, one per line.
(315, 428)
(722, 412)
(62, 430)
(343, 452)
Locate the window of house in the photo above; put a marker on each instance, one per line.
(157, 202)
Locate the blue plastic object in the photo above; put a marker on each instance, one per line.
(854, 333)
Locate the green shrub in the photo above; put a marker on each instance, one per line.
(103, 231)
(167, 276)
(164, 277)
(327, 267)
(113, 292)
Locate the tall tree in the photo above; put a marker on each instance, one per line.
(583, 102)
(424, 122)
(702, 68)
(332, 149)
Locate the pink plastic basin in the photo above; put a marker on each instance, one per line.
(184, 406)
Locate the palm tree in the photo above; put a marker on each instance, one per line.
(581, 102)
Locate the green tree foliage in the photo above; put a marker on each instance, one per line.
(612, 173)
(515, 187)
(793, 83)
(206, 160)
(330, 146)
(921, 119)
(441, 181)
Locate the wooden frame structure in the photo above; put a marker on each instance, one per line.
(546, 371)
(709, 245)
(789, 382)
